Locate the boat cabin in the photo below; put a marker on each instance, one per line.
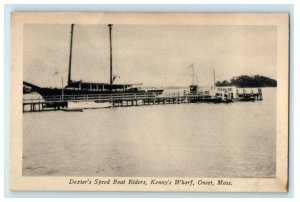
(229, 92)
(193, 89)
(99, 87)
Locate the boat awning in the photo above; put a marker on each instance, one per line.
(105, 86)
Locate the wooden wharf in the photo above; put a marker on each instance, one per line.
(117, 100)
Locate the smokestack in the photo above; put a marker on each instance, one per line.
(70, 56)
(111, 77)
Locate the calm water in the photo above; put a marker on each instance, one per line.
(188, 140)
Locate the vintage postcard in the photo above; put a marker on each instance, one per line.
(149, 102)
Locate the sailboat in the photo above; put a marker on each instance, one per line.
(84, 88)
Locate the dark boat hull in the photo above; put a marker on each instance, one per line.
(210, 99)
(251, 99)
(206, 100)
(48, 92)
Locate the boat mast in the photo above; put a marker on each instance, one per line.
(214, 78)
(62, 88)
(193, 75)
(70, 56)
(110, 50)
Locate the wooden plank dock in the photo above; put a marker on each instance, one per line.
(118, 100)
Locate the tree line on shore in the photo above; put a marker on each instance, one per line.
(249, 81)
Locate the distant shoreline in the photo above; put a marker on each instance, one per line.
(245, 81)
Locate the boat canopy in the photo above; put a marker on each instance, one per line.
(97, 86)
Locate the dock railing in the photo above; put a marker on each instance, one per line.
(98, 97)
(121, 99)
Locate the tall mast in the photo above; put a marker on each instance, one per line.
(193, 75)
(214, 78)
(70, 56)
(110, 50)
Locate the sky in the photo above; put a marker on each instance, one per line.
(155, 55)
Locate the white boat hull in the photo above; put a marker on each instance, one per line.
(88, 105)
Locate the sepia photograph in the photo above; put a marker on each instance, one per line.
(150, 102)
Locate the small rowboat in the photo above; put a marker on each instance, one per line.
(73, 110)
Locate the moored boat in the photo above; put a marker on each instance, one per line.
(88, 104)
(73, 110)
(88, 88)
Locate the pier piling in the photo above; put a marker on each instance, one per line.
(122, 100)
